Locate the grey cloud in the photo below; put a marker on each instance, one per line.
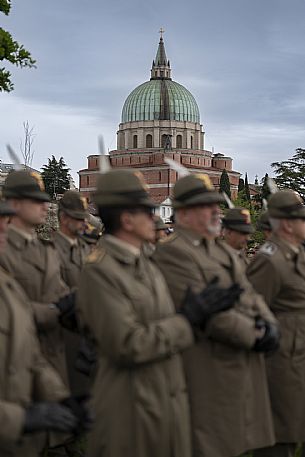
(243, 61)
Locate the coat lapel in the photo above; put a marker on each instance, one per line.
(30, 250)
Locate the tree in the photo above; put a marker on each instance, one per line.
(11, 51)
(26, 145)
(247, 189)
(265, 191)
(290, 173)
(224, 185)
(241, 185)
(56, 177)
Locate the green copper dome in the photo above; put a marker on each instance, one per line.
(160, 98)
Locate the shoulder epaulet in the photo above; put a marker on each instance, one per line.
(96, 255)
(268, 248)
(168, 238)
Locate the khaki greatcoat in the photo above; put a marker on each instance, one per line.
(72, 258)
(35, 266)
(139, 396)
(230, 408)
(278, 273)
(25, 376)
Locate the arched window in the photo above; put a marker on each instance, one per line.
(149, 141)
(163, 141)
(135, 141)
(179, 141)
(192, 142)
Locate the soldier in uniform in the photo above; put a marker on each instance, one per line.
(35, 265)
(72, 250)
(139, 396)
(237, 229)
(30, 388)
(263, 225)
(225, 370)
(278, 273)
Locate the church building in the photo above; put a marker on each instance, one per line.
(160, 118)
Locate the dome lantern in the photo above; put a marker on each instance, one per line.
(160, 98)
(161, 66)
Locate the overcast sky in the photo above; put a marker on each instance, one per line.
(243, 60)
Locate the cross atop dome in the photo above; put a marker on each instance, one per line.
(161, 66)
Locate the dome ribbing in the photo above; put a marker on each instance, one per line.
(160, 100)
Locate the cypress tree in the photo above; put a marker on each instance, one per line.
(241, 185)
(224, 185)
(247, 189)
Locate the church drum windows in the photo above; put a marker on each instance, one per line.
(135, 142)
(149, 141)
(163, 141)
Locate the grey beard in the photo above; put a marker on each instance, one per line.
(214, 229)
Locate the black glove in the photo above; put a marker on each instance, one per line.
(79, 408)
(270, 342)
(86, 358)
(67, 317)
(198, 308)
(66, 303)
(49, 416)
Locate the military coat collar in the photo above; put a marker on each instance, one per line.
(192, 237)
(291, 253)
(118, 250)
(18, 238)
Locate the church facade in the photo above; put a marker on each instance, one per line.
(160, 118)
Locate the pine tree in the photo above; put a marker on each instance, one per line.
(290, 173)
(224, 185)
(56, 177)
(247, 189)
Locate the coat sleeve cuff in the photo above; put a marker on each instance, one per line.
(232, 328)
(12, 423)
(46, 316)
(180, 333)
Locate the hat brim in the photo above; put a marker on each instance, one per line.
(279, 214)
(246, 229)
(39, 196)
(205, 198)
(123, 202)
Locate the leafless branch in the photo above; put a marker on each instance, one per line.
(26, 145)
